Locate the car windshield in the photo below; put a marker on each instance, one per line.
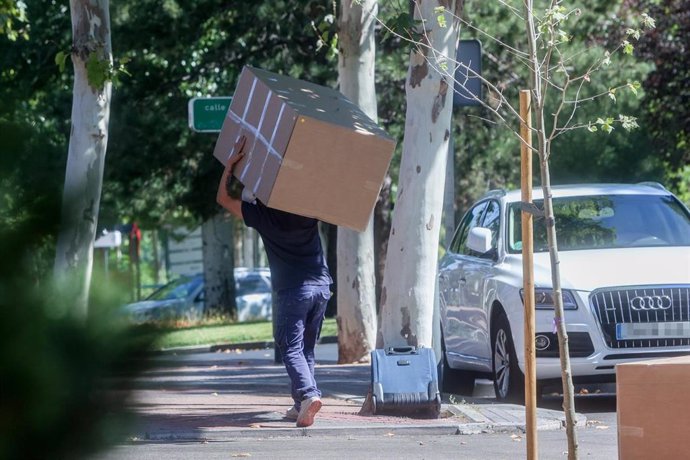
(179, 289)
(611, 221)
(252, 284)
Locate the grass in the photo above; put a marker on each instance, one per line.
(218, 332)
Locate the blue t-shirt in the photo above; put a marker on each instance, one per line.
(292, 245)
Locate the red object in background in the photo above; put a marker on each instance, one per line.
(135, 241)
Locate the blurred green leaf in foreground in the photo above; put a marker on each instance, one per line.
(63, 380)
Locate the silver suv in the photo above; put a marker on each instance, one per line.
(625, 268)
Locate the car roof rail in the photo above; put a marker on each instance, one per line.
(653, 184)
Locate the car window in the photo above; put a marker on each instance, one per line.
(252, 284)
(614, 221)
(492, 220)
(471, 219)
(180, 288)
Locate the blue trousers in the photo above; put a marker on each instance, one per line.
(299, 318)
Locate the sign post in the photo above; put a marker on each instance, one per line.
(206, 114)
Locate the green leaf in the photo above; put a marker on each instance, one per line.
(634, 86)
(648, 21)
(628, 48)
(634, 33)
(628, 123)
(607, 59)
(60, 59)
(98, 71)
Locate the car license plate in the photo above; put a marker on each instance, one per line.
(638, 331)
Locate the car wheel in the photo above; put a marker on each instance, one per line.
(509, 382)
(454, 380)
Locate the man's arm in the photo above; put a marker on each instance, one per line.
(234, 205)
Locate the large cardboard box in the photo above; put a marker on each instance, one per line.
(310, 150)
(653, 409)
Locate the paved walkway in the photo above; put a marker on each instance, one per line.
(228, 394)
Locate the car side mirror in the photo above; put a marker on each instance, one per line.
(479, 240)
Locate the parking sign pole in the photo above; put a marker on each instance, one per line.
(528, 276)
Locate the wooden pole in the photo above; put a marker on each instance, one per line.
(528, 277)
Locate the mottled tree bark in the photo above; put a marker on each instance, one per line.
(86, 155)
(407, 296)
(355, 274)
(218, 255)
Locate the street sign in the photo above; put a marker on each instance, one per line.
(206, 114)
(468, 87)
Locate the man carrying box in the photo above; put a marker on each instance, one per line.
(300, 277)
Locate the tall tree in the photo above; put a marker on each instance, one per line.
(356, 280)
(92, 61)
(407, 296)
(218, 254)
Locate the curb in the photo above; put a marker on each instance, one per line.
(354, 430)
(351, 430)
(477, 423)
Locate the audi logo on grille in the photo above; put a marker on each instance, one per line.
(651, 302)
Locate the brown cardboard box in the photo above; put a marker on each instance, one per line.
(653, 409)
(310, 150)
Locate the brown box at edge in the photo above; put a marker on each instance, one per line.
(653, 409)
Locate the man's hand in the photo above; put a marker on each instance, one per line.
(233, 188)
(237, 152)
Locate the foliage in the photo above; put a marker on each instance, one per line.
(667, 93)
(489, 158)
(157, 169)
(34, 118)
(59, 396)
(682, 178)
(13, 20)
(56, 399)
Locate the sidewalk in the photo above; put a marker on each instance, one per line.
(202, 395)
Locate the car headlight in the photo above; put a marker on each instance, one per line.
(544, 299)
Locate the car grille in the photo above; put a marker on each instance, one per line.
(671, 304)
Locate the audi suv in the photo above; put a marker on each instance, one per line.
(624, 254)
